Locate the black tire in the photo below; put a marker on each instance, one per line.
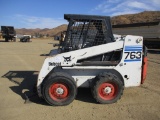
(59, 89)
(107, 88)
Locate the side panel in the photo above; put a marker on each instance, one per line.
(131, 63)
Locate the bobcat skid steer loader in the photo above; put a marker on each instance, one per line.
(90, 56)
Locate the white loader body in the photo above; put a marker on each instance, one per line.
(129, 67)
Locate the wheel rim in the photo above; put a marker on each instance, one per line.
(108, 91)
(58, 91)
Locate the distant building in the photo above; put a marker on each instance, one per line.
(150, 32)
(147, 30)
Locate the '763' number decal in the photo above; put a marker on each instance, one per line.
(133, 55)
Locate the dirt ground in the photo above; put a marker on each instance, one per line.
(19, 66)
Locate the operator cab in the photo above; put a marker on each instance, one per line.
(86, 31)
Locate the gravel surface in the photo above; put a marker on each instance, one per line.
(19, 67)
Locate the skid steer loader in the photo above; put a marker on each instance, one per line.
(91, 57)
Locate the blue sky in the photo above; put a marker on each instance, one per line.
(49, 13)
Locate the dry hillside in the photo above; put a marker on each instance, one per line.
(45, 31)
(146, 16)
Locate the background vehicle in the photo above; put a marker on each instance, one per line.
(25, 39)
(8, 33)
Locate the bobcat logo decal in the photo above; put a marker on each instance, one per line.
(67, 59)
